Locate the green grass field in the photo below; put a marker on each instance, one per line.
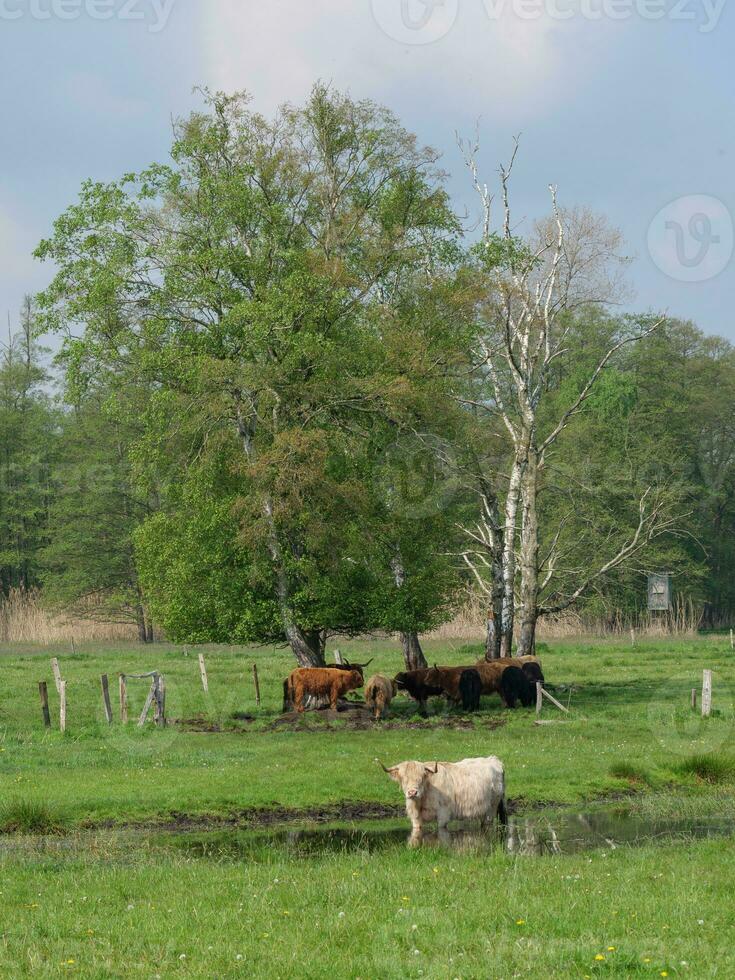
(98, 897)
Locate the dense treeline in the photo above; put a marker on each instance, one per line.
(293, 400)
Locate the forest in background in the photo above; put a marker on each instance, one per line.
(297, 398)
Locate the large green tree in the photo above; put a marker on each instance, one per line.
(240, 283)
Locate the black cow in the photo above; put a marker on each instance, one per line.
(470, 689)
(534, 673)
(515, 686)
(413, 683)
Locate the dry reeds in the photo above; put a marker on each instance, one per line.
(23, 619)
(684, 618)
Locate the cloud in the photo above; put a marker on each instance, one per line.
(472, 59)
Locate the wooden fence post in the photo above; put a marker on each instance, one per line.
(632, 637)
(338, 658)
(203, 672)
(147, 705)
(706, 693)
(57, 674)
(160, 701)
(257, 684)
(694, 699)
(106, 698)
(62, 706)
(123, 699)
(43, 691)
(732, 640)
(553, 700)
(539, 698)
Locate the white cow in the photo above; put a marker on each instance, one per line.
(473, 789)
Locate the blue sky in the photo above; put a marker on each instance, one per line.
(627, 105)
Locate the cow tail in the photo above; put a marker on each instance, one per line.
(287, 697)
(503, 812)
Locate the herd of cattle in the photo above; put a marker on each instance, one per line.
(513, 679)
(473, 789)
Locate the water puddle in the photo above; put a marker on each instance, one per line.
(534, 833)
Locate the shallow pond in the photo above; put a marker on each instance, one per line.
(533, 833)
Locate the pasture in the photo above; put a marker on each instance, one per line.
(109, 884)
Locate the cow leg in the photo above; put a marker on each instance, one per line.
(442, 819)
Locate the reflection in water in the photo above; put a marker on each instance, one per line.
(536, 833)
(566, 832)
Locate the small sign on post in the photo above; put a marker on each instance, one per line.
(203, 672)
(659, 592)
(43, 691)
(707, 693)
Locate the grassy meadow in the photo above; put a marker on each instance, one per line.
(92, 884)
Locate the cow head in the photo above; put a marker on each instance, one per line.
(413, 777)
(400, 681)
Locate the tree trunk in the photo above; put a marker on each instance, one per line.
(492, 637)
(308, 647)
(509, 557)
(413, 655)
(529, 589)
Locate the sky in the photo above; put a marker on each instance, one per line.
(625, 105)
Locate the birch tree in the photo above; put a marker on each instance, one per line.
(534, 287)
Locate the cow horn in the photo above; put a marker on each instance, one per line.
(384, 768)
